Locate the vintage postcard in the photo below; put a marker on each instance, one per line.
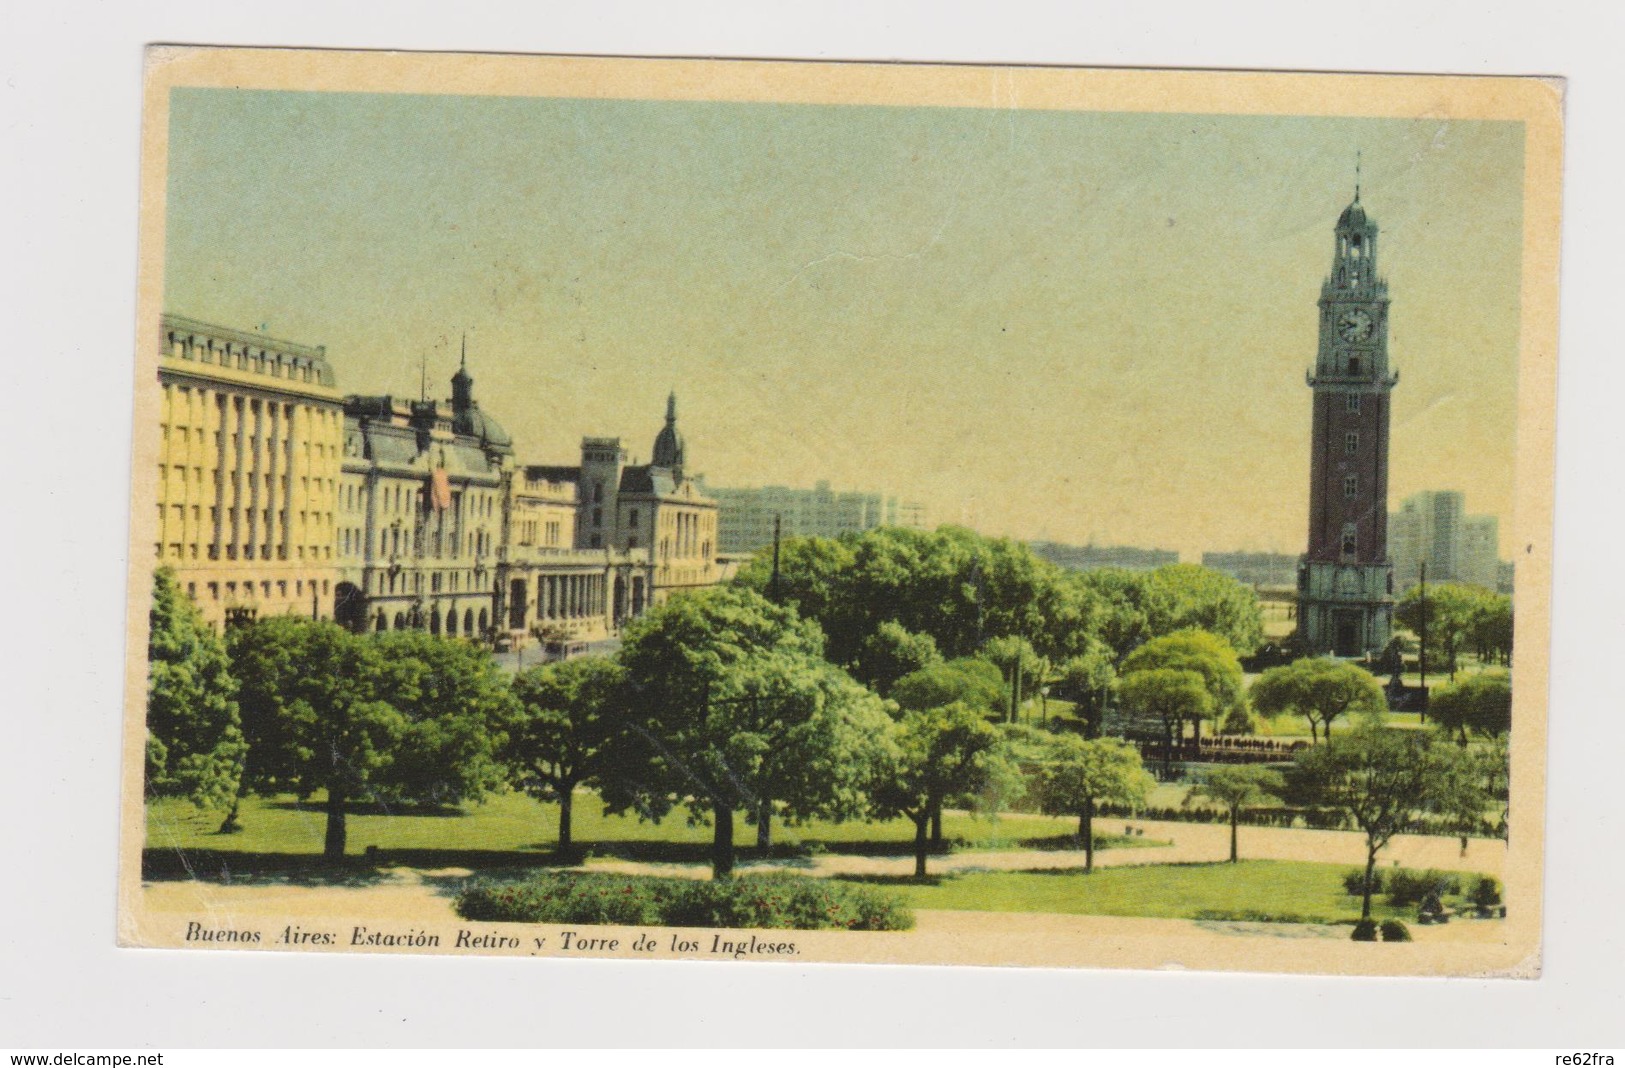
(891, 513)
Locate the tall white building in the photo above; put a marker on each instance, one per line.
(1433, 527)
(746, 516)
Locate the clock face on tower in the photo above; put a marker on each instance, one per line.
(1354, 325)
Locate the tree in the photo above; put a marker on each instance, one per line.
(319, 723)
(361, 718)
(1235, 787)
(562, 731)
(456, 702)
(892, 652)
(1445, 613)
(955, 585)
(1384, 780)
(1124, 615)
(731, 706)
(1171, 695)
(1205, 655)
(1481, 704)
(943, 756)
(1489, 631)
(1086, 680)
(1192, 597)
(1021, 667)
(1079, 773)
(971, 680)
(195, 745)
(1320, 689)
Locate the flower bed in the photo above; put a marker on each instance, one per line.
(750, 901)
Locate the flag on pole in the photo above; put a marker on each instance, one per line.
(439, 490)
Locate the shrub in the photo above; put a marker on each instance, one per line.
(1365, 931)
(1486, 892)
(751, 901)
(1407, 886)
(1395, 931)
(1354, 882)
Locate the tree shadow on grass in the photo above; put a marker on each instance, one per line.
(310, 869)
(371, 808)
(895, 880)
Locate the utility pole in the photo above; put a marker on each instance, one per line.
(773, 582)
(1422, 638)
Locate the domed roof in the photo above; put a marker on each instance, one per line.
(1353, 216)
(668, 450)
(477, 424)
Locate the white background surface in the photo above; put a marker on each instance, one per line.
(70, 112)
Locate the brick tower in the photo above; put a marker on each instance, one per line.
(1345, 580)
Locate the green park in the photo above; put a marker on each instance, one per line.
(886, 724)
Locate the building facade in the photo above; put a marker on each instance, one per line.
(746, 517)
(658, 508)
(275, 494)
(1345, 579)
(248, 470)
(421, 509)
(550, 589)
(1433, 527)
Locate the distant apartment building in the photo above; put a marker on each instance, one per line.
(1433, 527)
(1255, 569)
(746, 516)
(1092, 557)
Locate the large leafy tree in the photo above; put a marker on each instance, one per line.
(1481, 704)
(1185, 652)
(1125, 599)
(1445, 614)
(456, 701)
(972, 681)
(1235, 787)
(562, 731)
(410, 719)
(314, 717)
(892, 652)
(956, 586)
(1078, 773)
(1321, 690)
(1192, 597)
(1490, 630)
(1172, 695)
(195, 745)
(1022, 668)
(950, 755)
(1087, 680)
(730, 707)
(1386, 781)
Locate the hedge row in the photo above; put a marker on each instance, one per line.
(1318, 819)
(1408, 886)
(750, 901)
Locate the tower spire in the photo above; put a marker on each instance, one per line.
(464, 365)
(671, 407)
(1356, 176)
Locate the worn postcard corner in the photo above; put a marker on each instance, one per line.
(752, 511)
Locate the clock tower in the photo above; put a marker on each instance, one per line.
(1345, 579)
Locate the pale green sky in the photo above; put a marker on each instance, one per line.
(1057, 324)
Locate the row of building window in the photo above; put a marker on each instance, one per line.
(259, 361)
(264, 589)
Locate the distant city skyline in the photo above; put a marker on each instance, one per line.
(1060, 326)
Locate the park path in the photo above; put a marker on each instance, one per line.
(413, 895)
(1190, 843)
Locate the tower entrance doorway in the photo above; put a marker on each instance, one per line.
(1347, 634)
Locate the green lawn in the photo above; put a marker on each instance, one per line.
(514, 828)
(1279, 888)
